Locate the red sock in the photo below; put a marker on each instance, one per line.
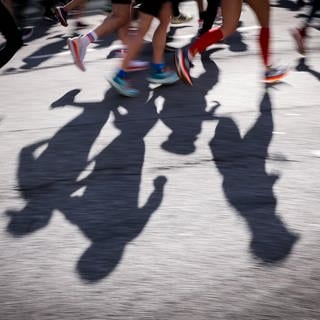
(264, 41)
(207, 39)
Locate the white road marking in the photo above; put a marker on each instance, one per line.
(316, 153)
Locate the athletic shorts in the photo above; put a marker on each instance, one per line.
(151, 7)
(121, 1)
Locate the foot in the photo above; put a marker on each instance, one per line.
(275, 74)
(62, 16)
(123, 87)
(78, 51)
(163, 77)
(183, 65)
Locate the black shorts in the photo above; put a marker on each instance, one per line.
(121, 1)
(151, 7)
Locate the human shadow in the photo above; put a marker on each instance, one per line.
(48, 169)
(108, 213)
(184, 116)
(287, 4)
(248, 186)
(303, 67)
(107, 209)
(235, 41)
(44, 53)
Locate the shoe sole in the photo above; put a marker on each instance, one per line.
(275, 78)
(28, 35)
(167, 81)
(74, 49)
(181, 68)
(170, 49)
(116, 86)
(60, 17)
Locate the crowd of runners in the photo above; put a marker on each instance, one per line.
(218, 19)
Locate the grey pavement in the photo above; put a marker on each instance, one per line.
(186, 202)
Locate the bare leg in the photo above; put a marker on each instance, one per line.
(119, 18)
(231, 11)
(136, 42)
(261, 9)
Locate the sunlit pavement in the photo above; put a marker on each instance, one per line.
(186, 202)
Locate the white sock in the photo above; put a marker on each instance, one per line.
(88, 38)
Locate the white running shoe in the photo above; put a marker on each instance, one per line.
(78, 51)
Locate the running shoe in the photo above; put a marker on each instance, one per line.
(137, 65)
(122, 86)
(163, 77)
(299, 39)
(169, 48)
(78, 51)
(61, 16)
(275, 74)
(183, 65)
(181, 18)
(26, 32)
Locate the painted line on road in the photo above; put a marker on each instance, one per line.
(278, 132)
(248, 28)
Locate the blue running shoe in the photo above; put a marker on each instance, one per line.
(122, 86)
(163, 77)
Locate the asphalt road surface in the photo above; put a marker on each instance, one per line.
(184, 203)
